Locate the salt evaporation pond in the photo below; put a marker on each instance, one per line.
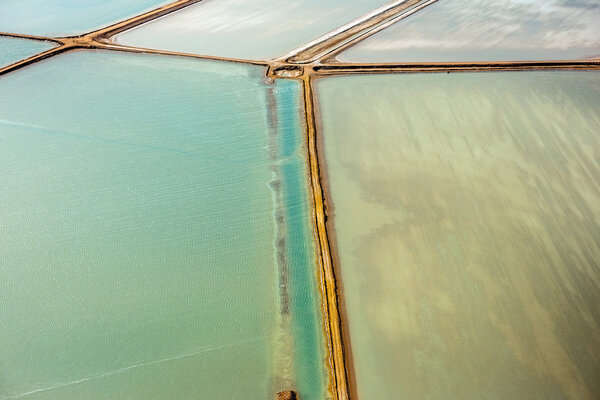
(255, 29)
(144, 200)
(466, 210)
(17, 49)
(68, 17)
(494, 30)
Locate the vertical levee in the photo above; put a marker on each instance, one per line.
(333, 323)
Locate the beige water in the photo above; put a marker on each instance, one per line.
(467, 217)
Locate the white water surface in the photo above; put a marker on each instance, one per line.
(491, 30)
(247, 29)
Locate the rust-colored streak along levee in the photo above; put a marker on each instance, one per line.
(339, 384)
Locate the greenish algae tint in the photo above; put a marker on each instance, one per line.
(467, 218)
(17, 49)
(68, 17)
(138, 224)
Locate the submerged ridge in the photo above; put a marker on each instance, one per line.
(283, 376)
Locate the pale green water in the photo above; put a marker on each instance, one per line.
(138, 220)
(68, 17)
(255, 29)
(500, 30)
(14, 49)
(467, 217)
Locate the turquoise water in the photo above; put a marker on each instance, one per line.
(68, 17)
(498, 30)
(15, 49)
(139, 224)
(307, 325)
(467, 218)
(256, 29)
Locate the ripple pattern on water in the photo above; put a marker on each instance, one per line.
(138, 226)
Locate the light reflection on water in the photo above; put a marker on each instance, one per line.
(255, 29)
(497, 30)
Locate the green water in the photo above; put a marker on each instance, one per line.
(15, 49)
(499, 30)
(467, 218)
(138, 220)
(68, 17)
(255, 29)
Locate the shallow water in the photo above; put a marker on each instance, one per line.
(498, 30)
(68, 17)
(139, 221)
(16, 49)
(257, 29)
(467, 216)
